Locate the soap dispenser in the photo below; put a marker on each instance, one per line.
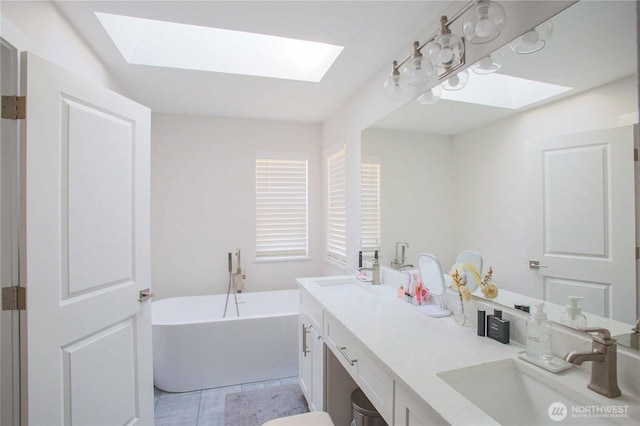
(573, 316)
(539, 334)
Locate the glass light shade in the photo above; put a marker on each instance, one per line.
(446, 49)
(431, 96)
(534, 39)
(485, 23)
(489, 64)
(417, 71)
(456, 82)
(395, 87)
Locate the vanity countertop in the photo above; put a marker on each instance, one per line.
(416, 347)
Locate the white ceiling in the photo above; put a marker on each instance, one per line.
(372, 32)
(593, 43)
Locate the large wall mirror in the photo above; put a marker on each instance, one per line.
(550, 181)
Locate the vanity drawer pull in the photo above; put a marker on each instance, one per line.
(344, 354)
(305, 330)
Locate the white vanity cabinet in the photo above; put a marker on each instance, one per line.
(410, 410)
(311, 353)
(371, 375)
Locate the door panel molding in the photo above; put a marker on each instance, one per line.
(93, 369)
(97, 246)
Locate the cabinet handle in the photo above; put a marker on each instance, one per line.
(305, 330)
(344, 354)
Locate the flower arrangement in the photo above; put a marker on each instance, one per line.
(488, 288)
(459, 273)
(460, 284)
(461, 269)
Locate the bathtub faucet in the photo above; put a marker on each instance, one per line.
(235, 282)
(236, 276)
(239, 276)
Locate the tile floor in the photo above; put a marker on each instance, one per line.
(202, 408)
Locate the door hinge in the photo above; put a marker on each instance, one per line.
(637, 253)
(14, 298)
(635, 154)
(14, 107)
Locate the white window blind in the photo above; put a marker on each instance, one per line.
(370, 206)
(281, 205)
(337, 235)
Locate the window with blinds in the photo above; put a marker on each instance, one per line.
(281, 205)
(337, 212)
(370, 206)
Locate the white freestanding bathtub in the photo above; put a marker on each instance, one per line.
(195, 348)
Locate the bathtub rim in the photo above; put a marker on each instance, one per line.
(287, 312)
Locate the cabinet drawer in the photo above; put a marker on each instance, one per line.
(312, 309)
(371, 375)
(411, 410)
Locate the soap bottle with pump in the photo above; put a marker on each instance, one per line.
(573, 316)
(539, 334)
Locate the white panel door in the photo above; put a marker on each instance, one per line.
(584, 220)
(85, 241)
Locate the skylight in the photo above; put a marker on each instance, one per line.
(167, 44)
(503, 91)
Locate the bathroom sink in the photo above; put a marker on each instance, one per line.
(514, 392)
(331, 281)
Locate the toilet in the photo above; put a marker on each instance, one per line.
(314, 418)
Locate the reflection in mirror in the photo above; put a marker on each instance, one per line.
(433, 280)
(550, 181)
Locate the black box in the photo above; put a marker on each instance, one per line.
(498, 329)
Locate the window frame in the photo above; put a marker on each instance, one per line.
(264, 227)
(336, 236)
(370, 221)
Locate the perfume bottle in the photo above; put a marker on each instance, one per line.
(498, 328)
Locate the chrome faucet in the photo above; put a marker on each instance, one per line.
(375, 271)
(400, 257)
(604, 368)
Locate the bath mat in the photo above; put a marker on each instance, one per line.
(254, 407)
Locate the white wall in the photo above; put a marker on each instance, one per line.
(491, 181)
(203, 202)
(42, 29)
(369, 105)
(39, 27)
(416, 189)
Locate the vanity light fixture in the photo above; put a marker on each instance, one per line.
(395, 87)
(534, 39)
(431, 96)
(486, 23)
(447, 49)
(418, 70)
(489, 64)
(457, 81)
